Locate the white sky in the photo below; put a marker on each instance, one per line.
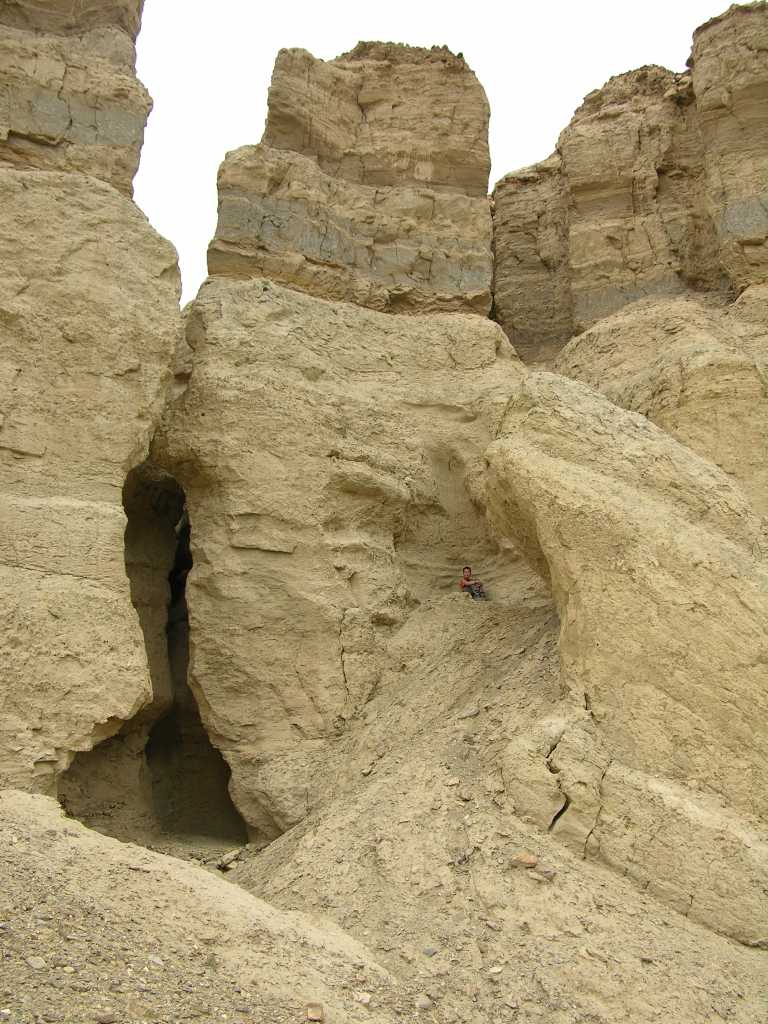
(208, 65)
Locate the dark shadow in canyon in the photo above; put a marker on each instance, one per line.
(160, 780)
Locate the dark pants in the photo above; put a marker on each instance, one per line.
(476, 592)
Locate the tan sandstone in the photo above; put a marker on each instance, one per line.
(88, 326)
(331, 457)
(69, 98)
(656, 566)
(695, 369)
(730, 78)
(301, 482)
(340, 202)
(656, 189)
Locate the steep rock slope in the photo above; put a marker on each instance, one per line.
(420, 847)
(656, 567)
(369, 184)
(657, 188)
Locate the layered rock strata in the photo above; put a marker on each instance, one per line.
(657, 188)
(331, 457)
(730, 79)
(655, 563)
(69, 97)
(369, 184)
(88, 327)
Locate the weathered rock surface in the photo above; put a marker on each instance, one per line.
(418, 850)
(384, 115)
(73, 17)
(331, 457)
(456, 784)
(730, 78)
(391, 249)
(531, 275)
(369, 184)
(655, 563)
(88, 326)
(69, 98)
(657, 188)
(695, 369)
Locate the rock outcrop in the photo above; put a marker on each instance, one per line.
(69, 98)
(89, 325)
(305, 563)
(369, 184)
(655, 562)
(229, 558)
(694, 368)
(730, 80)
(657, 188)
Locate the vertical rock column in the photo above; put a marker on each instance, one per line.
(88, 325)
(369, 184)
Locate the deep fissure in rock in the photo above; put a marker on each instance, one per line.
(160, 776)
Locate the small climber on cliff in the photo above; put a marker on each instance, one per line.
(469, 584)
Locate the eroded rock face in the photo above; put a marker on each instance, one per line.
(73, 17)
(391, 249)
(331, 458)
(369, 184)
(531, 274)
(384, 115)
(657, 189)
(730, 78)
(88, 327)
(695, 369)
(69, 98)
(655, 562)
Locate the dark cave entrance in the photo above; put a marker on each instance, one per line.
(160, 778)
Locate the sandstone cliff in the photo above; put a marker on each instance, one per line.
(657, 188)
(88, 327)
(547, 806)
(369, 184)
(69, 98)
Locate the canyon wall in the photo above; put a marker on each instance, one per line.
(69, 97)
(251, 533)
(657, 188)
(88, 328)
(369, 185)
(332, 453)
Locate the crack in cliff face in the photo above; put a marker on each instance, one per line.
(160, 774)
(596, 822)
(341, 659)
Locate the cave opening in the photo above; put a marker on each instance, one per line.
(160, 780)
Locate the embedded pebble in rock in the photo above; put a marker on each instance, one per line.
(524, 859)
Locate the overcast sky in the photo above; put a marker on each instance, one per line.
(208, 67)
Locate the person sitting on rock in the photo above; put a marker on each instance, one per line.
(469, 584)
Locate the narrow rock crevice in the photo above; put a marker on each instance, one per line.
(558, 814)
(159, 780)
